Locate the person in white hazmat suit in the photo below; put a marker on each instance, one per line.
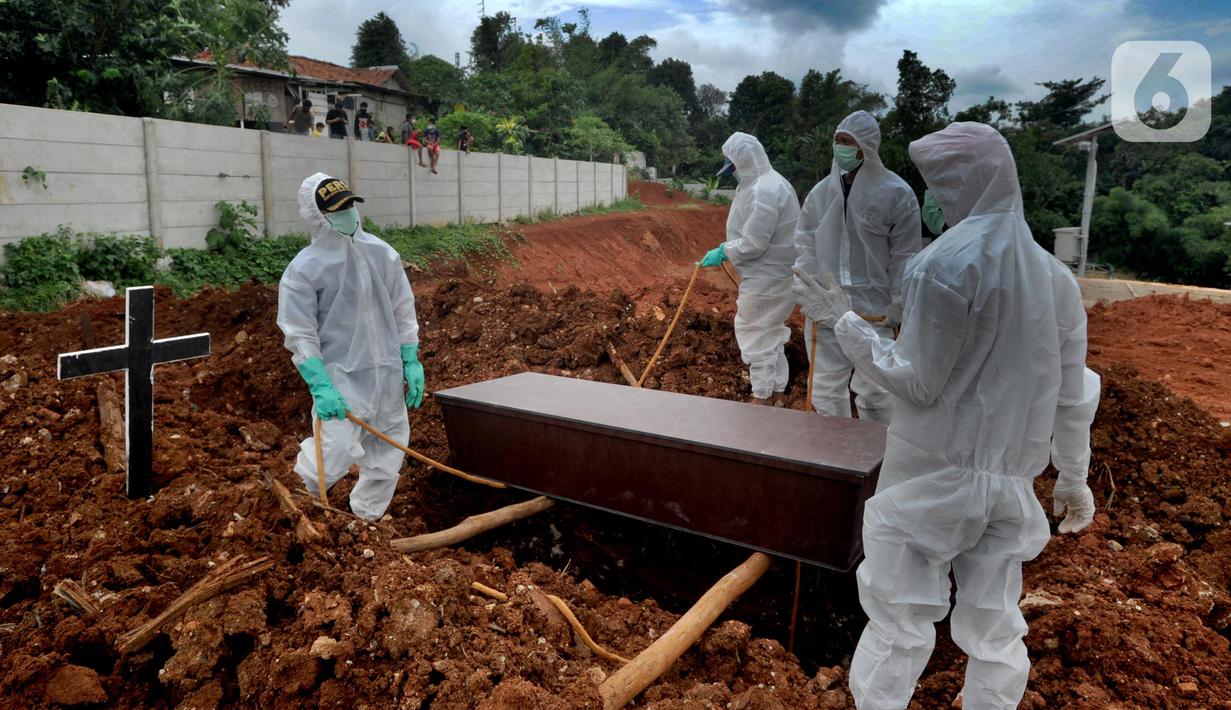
(989, 378)
(760, 243)
(861, 224)
(347, 313)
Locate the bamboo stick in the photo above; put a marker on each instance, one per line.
(78, 598)
(220, 579)
(493, 593)
(811, 371)
(730, 275)
(320, 461)
(424, 459)
(666, 336)
(585, 636)
(790, 644)
(623, 366)
(473, 525)
(111, 426)
(305, 530)
(626, 683)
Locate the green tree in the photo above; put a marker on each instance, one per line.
(437, 81)
(1206, 240)
(1133, 233)
(995, 112)
(77, 54)
(762, 105)
(920, 105)
(590, 138)
(482, 127)
(676, 74)
(495, 42)
(245, 31)
(491, 92)
(1066, 102)
(379, 43)
(1191, 185)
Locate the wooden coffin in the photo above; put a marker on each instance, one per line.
(782, 481)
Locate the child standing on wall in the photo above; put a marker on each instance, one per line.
(431, 138)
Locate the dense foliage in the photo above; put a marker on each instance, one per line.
(553, 89)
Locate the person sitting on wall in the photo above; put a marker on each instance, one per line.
(431, 138)
(415, 141)
(464, 140)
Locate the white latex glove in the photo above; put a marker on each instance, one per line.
(1072, 494)
(823, 304)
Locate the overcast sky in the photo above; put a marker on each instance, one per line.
(1002, 47)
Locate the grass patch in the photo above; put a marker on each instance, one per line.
(419, 245)
(45, 272)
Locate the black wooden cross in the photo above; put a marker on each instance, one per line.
(137, 357)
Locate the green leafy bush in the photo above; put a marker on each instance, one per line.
(39, 260)
(124, 261)
(236, 227)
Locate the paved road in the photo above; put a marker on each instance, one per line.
(1095, 290)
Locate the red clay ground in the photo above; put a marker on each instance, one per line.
(1184, 344)
(1132, 613)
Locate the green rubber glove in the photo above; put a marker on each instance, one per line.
(329, 402)
(714, 257)
(413, 370)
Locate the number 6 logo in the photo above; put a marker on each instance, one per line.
(1160, 82)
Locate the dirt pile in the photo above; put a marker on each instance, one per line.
(1183, 343)
(1133, 611)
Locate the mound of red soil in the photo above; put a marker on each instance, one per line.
(1132, 611)
(642, 254)
(1183, 343)
(656, 194)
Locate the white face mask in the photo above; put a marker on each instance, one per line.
(344, 222)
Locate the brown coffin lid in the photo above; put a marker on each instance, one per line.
(811, 444)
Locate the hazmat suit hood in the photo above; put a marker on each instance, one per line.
(867, 133)
(318, 226)
(748, 155)
(970, 170)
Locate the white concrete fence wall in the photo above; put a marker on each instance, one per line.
(120, 175)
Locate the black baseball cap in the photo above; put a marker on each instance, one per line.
(333, 195)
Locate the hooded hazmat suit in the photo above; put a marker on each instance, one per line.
(864, 237)
(989, 377)
(347, 300)
(760, 232)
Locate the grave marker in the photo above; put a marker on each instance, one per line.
(136, 357)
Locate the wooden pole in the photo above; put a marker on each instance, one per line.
(222, 578)
(790, 644)
(473, 525)
(811, 371)
(666, 336)
(320, 461)
(424, 459)
(623, 366)
(304, 529)
(626, 683)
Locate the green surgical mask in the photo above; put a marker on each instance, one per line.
(345, 222)
(845, 155)
(933, 218)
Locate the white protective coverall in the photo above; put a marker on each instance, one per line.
(760, 232)
(347, 300)
(864, 239)
(988, 376)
